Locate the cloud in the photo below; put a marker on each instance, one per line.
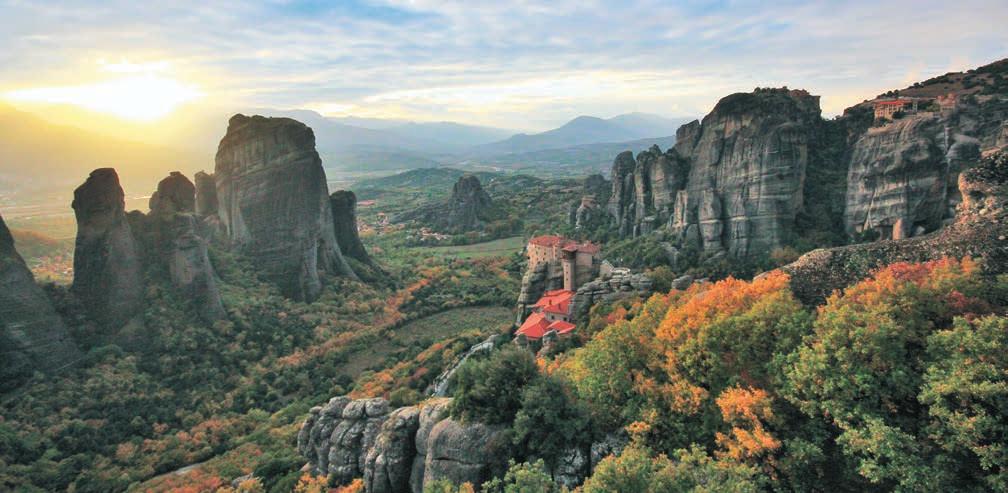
(523, 64)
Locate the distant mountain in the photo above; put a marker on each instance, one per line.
(596, 157)
(39, 156)
(451, 136)
(585, 130)
(356, 135)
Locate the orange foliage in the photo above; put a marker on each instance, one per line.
(941, 280)
(725, 298)
(746, 410)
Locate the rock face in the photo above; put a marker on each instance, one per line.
(274, 204)
(980, 232)
(32, 335)
(106, 262)
(206, 195)
(171, 238)
(464, 453)
(398, 452)
(344, 211)
(191, 270)
(389, 463)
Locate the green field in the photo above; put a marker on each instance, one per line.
(495, 248)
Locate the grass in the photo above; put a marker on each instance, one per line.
(496, 248)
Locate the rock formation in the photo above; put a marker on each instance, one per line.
(191, 270)
(172, 241)
(273, 202)
(980, 232)
(467, 209)
(32, 335)
(206, 195)
(174, 194)
(106, 262)
(588, 213)
(344, 211)
(398, 451)
(619, 283)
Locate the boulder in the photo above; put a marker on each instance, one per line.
(431, 413)
(273, 202)
(107, 270)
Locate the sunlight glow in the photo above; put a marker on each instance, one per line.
(138, 98)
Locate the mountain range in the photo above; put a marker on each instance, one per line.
(345, 143)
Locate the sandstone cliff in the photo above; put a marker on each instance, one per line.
(980, 232)
(172, 243)
(273, 202)
(107, 270)
(732, 183)
(32, 335)
(398, 451)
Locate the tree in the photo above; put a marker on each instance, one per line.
(523, 478)
(865, 366)
(550, 421)
(489, 390)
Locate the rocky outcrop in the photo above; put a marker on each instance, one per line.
(106, 262)
(980, 232)
(389, 463)
(171, 240)
(344, 211)
(590, 212)
(398, 452)
(174, 194)
(620, 283)
(534, 283)
(465, 452)
(32, 335)
(273, 202)
(431, 413)
(468, 208)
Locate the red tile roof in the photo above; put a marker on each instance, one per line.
(557, 301)
(560, 327)
(536, 326)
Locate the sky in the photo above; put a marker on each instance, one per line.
(522, 65)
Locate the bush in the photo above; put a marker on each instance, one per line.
(489, 390)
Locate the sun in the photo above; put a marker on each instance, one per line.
(140, 98)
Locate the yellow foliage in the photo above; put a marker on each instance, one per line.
(746, 410)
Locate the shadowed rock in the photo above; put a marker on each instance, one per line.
(274, 204)
(344, 211)
(174, 194)
(106, 263)
(206, 195)
(32, 335)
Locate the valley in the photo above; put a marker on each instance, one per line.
(769, 300)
